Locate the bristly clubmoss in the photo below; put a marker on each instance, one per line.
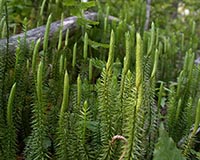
(95, 76)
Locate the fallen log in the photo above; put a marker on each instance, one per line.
(38, 33)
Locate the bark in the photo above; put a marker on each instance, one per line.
(38, 33)
(148, 13)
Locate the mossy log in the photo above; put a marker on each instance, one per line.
(38, 33)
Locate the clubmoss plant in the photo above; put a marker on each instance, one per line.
(107, 93)
(9, 152)
(74, 55)
(70, 103)
(35, 148)
(46, 36)
(85, 49)
(62, 148)
(60, 32)
(191, 138)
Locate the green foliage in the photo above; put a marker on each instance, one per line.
(191, 138)
(74, 97)
(180, 110)
(46, 35)
(36, 148)
(62, 151)
(107, 88)
(166, 148)
(9, 152)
